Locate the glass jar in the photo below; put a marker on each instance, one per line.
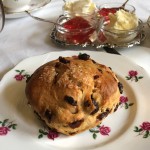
(77, 29)
(115, 36)
(119, 25)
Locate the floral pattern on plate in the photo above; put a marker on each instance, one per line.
(143, 129)
(103, 130)
(6, 126)
(49, 133)
(21, 74)
(124, 102)
(133, 76)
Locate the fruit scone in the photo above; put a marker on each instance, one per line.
(73, 94)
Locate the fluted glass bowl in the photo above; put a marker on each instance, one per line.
(76, 29)
(115, 36)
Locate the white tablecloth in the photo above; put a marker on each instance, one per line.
(25, 37)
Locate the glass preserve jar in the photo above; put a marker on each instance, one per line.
(77, 29)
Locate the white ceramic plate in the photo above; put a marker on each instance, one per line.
(33, 6)
(133, 114)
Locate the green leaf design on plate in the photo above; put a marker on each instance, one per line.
(91, 130)
(94, 136)
(40, 136)
(42, 132)
(22, 71)
(128, 78)
(14, 126)
(17, 71)
(4, 122)
(140, 77)
(146, 134)
(140, 130)
(136, 129)
(136, 79)
(126, 106)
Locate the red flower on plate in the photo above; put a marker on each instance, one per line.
(6, 126)
(104, 130)
(133, 73)
(144, 129)
(124, 102)
(4, 130)
(145, 126)
(49, 133)
(123, 99)
(19, 77)
(52, 135)
(133, 76)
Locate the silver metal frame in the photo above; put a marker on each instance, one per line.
(2, 16)
(141, 36)
(148, 21)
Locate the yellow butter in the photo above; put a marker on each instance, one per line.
(80, 6)
(123, 20)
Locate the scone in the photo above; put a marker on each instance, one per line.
(73, 94)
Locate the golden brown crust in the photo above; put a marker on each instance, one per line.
(72, 95)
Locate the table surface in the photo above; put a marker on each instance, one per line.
(25, 37)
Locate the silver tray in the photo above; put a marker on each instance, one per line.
(136, 41)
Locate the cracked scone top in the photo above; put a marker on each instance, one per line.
(73, 94)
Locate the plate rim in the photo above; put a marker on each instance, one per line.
(70, 54)
(11, 15)
(72, 51)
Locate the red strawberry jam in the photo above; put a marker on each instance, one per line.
(105, 11)
(79, 30)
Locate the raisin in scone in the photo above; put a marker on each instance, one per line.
(73, 94)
